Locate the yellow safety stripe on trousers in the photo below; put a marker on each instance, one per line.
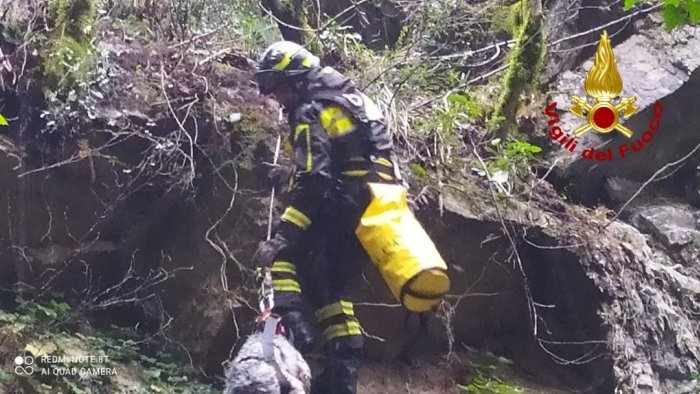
(335, 122)
(342, 330)
(284, 266)
(386, 177)
(336, 308)
(355, 173)
(283, 63)
(383, 162)
(286, 285)
(296, 217)
(309, 157)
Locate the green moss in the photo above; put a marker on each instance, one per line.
(483, 383)
(69, 55)
(506, 19)
(526, 60)
(73, 17)
(68, 63)
(418, 170)
(300, 12)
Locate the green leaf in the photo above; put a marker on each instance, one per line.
(693, 8)
(629, 4)
(673, 16)
(3, 121)
(674, 3)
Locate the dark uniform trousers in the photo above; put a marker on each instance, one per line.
(323, 266)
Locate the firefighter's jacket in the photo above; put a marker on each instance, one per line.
(339, 141)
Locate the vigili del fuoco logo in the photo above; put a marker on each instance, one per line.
(605, 112)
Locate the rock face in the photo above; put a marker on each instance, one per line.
(600, 283)
(656, 66)
(644, 265)
(673, 225)
(571, 25)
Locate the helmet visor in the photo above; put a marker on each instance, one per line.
(269, 80)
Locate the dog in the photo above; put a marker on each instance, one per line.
(251, 373)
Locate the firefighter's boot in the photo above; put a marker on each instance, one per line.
(339, 375)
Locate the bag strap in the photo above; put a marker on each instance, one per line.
(268, 342)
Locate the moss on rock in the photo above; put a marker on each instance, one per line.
(526, 60)
(67, 63)
(69, 54)
(73, 17)
(506, 19)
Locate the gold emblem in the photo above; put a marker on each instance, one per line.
(603, 83)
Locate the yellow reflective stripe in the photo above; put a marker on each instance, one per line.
(357, 158)
(282, 64)
(309, 158)
(337, 308)
(342, 330)
(298, 129)
(384, 162)
(290, 289)
(328, 114)
(355, 173)
(284, 266)
(335, 122)
(386, 177)
(306, 62)
(296, 217)
(286, 285)
(341, 127)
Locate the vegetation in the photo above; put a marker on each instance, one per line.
(508, 164)
(69, 54)
(52, 327)
(524, 65)
(676, 12)
(486, 384)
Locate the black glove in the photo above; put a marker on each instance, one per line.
(267, 251)
(279, 176)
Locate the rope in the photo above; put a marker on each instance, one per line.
(267, 294)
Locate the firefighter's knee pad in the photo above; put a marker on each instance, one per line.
(339, 326)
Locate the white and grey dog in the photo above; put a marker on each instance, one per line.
(250, 372)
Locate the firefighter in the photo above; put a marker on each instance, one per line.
(340, 143)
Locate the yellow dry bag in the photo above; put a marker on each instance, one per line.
(402, 251)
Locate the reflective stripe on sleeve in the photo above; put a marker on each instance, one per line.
(296, 217)
(284, 266)
(286, 285)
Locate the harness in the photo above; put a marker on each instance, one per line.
(271, 327)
